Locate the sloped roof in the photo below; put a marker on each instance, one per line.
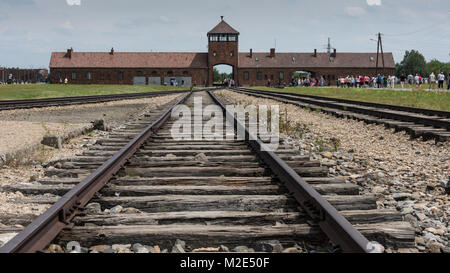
(223, 28)
(287, 60)
(129, 60)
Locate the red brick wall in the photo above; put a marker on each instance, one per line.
(111, 76)
(222, 50)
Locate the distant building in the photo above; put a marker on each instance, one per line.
(250, 68)
(21, 75)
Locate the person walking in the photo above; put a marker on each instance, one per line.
(66, 81)
(379, 81)
(392, 79)
(432, 81)
(402, 80)
(417, 80)
(441, 78)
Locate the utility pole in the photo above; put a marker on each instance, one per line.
(329, 45)
(380, 46)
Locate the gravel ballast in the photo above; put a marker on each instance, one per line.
(408, 175)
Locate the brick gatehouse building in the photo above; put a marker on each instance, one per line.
(249, 68)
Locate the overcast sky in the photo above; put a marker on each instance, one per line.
(31, 29)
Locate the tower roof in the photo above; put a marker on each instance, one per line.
(223, 28)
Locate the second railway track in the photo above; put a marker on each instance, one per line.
(64, 101)
(417, 122)
(155, 190)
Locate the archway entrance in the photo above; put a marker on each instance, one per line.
(223, 75)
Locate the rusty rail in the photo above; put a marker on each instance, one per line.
(46, 227)
(35, 103)
(332, 223)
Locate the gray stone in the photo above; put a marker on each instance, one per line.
(151, 249)
(380, 175)
(375, 247)
(378, 189)
(401, 196)
(117, 247)
(180, 242)
(109, 250)
(421, 216)
(93, 208)
(269, 246)
(292, 250)
(241, 249)
(224, 249)
(52, 141)
(3, 158)
(177, 248)
(138, 248)
(116, 209)
(435, 247)
(201, 158)
(407, 210)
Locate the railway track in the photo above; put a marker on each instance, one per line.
(417, 122)
(140, 185)
(37, 103)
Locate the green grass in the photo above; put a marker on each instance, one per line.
(416, 98)
(40, 91)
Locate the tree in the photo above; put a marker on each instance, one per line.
(437, 67)
(413, 63)
(219, 77)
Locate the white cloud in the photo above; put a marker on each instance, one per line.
(374, 2)
(73, 2)
(355, 11)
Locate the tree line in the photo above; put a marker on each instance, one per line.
(414, 63)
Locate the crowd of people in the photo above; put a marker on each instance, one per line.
(228, 82)
(433, 82)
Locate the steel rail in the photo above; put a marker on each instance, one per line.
(428, 112)
(372, 111)
(45, 228)
(338, 229)
(35, 103)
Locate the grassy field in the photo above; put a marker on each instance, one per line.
(39, 91)
(419, 99)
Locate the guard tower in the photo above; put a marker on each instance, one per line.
(223, 49)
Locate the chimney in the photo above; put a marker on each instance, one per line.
(69, 53)
(251, 53)
(334, 53)
(112, 51)
(315, 52)
(272, 53)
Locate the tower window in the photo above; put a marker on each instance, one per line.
(231, 54)
(213, 38)
(232, 38)
(223, 38)
(214, 54)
